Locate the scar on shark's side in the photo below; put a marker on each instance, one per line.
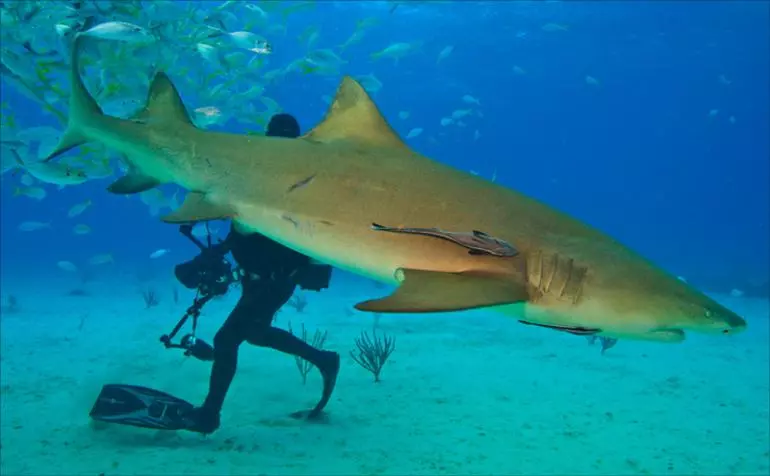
(302, 183)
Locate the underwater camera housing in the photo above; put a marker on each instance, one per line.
(209, 272)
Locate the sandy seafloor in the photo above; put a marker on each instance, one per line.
(464, 393)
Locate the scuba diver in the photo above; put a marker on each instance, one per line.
(269, 273)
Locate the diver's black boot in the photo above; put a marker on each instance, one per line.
(329, 365)
(202, 420)
(327, 362)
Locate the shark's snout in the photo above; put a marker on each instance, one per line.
(732, 323)
(720, 320)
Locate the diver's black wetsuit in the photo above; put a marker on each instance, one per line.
(269, 273)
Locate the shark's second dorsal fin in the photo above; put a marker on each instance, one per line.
(353, 115)
(164, 104)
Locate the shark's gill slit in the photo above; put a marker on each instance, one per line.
(566, 275)
(536, 273)
(576, 283)
(549, 271)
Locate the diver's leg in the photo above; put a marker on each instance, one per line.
(226, 343)
(263, 334)
(327, 362)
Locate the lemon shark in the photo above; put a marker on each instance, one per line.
(320, 194)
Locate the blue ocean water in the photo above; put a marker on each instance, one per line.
(637, 156)
(607, 115)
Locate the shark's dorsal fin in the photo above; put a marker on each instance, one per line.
(353, 115)
(164, 104)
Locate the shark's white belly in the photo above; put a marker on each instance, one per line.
(351, 246)
(325, 243)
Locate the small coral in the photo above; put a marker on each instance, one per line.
(298, 302)
(150, 297)
(373, 352)
(317, 341)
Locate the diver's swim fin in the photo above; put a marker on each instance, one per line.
(141, 406)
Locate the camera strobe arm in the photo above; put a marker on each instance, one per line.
(193, 311)
(186, 230)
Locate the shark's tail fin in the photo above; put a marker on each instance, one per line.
(82, 108)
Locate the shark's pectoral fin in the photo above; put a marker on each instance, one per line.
(196, 208)
(434, 291)
(132, 183)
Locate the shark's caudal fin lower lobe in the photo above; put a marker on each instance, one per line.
(82, 108)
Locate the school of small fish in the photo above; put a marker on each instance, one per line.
(225, 57)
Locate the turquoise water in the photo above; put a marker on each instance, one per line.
(645, 120)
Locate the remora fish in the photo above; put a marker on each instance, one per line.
(567, 275)
(477, 242)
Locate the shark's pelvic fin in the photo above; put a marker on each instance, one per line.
(354, 116)
(164, 104)
(196, 208)
(132, 183)
(435, 291)
(82, 108)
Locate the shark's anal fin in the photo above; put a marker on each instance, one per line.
(196, 208)
(435, 291)
(132, 183)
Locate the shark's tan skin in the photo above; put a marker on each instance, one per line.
(320, 195)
